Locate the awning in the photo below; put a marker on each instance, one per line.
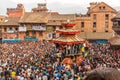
(30, 39)
(10, 40)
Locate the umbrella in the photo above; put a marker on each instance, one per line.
(79, 60)
(67, 61)
(103, 74)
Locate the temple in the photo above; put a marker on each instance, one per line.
(68, 41)
(41, 23)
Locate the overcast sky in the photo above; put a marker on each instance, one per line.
(62, 6)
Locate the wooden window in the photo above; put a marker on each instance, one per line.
(94, 16)
(40, 33)
(94, 30)
(5, 29)
(94, 24)
(54, 35)
(34, 34)
(54, 28)
(118, 23)
(106, 30)
(16, 29)
(106, 16)
(82, 24)
(100, 7)
(103, 7)
(106, 25)
(27, 33)
(61, 27)
(54, 21)
(10, 28)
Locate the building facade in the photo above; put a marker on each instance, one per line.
(9, 28)
(97, 19)
(96, 24)
(41, 23)
(10, 24)
(1, 20)
(16, 12)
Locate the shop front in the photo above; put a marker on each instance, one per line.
(34, 33)
(10, 40)
(10, 36)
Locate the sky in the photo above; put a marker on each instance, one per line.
(61, 6)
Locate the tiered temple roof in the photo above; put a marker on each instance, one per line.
(68, 35)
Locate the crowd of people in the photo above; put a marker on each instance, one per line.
(38, 61)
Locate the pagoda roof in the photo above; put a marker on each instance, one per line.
(72, 39)
(68, 31)
(68, 24)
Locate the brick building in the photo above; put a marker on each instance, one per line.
(1, 19)
(42, 23)
(97, 22)
(36, 25)
(10, 24)
(16, 12)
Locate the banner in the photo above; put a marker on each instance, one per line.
(10, 40)
(41, 28)
(23, 29)
(49, 35)
(49, 29)
(101, 41)
(10, 31)
(10, 36)
(29, 28)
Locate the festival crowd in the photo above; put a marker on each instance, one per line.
(38, 61)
